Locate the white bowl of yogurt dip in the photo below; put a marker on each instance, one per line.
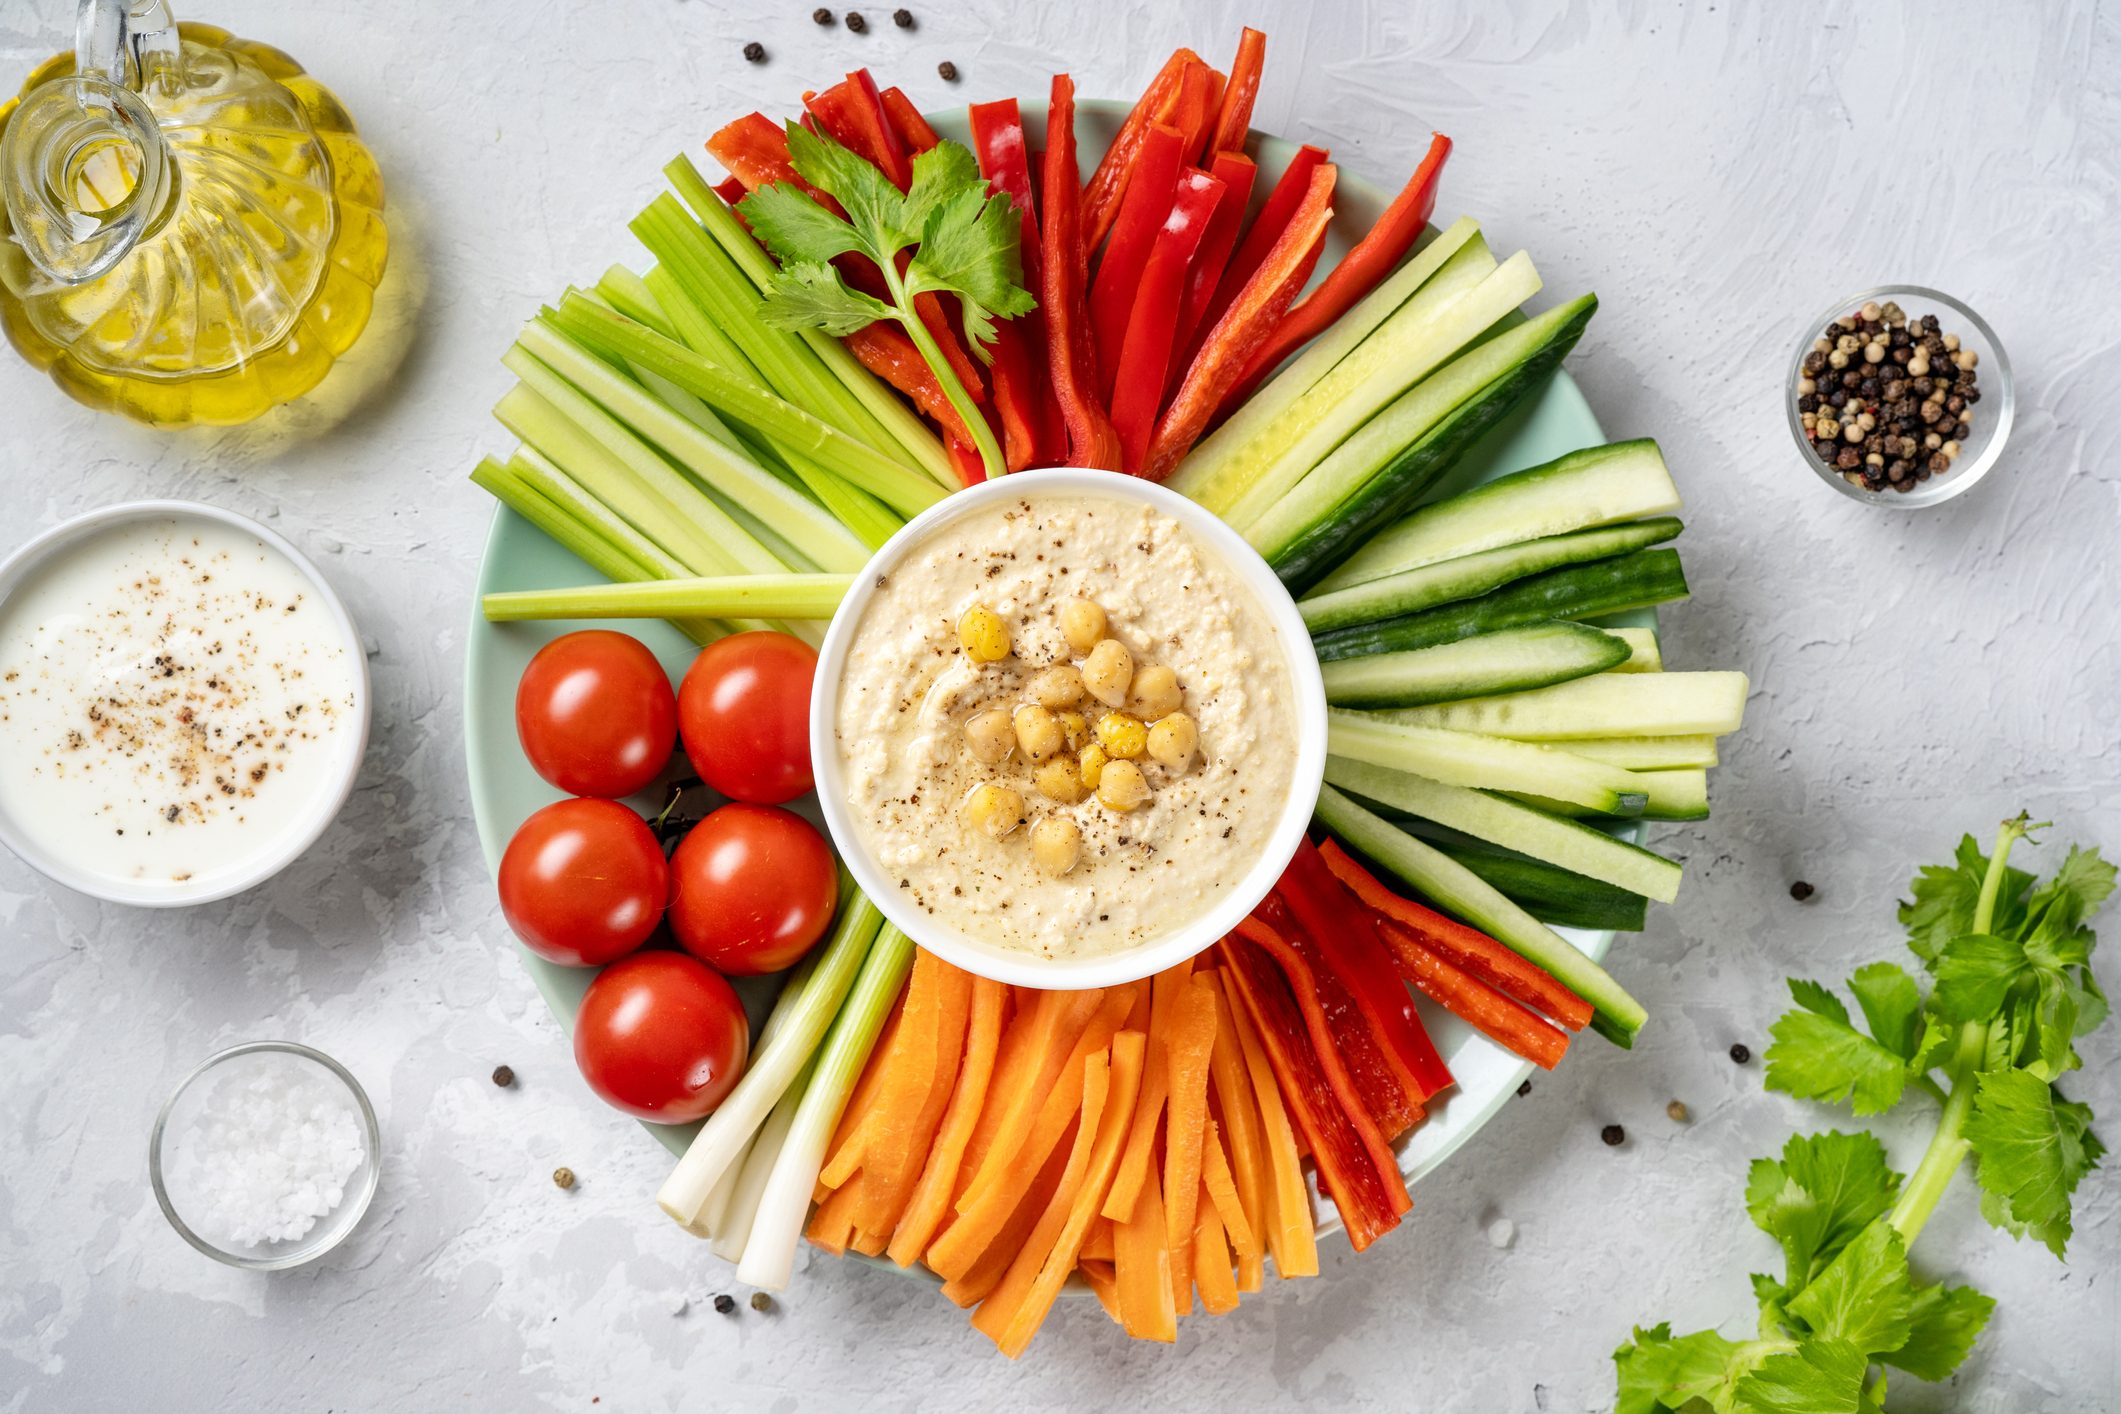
(1032, 804)
(183, 703)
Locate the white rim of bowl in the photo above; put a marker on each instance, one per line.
(1959, 479)
(32, 556)
(354, 1205)
(1131, 964)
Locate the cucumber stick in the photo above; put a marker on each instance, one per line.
(1595, 486)
(1514, 659)
(1611, 704)
(1214, 471)
(1565, 843)
(1441, 420)
(1423, 335)
(1487, 762)
(1649, 753)
(1644, 655)
(1470, 576)
(1556, 897)
(1667, 795)
(1631, 581)
(1463, 894)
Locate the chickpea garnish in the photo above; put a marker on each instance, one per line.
(1090, 765)
(1056, 844)
(1082, 623)
(984, 636)
(1061, 780)
(1074, 728)
(1108, 672)
(1121, 786)
(990, 737)
(994, 810)
(1173, 741)
(1121, 736)
(1155, 693)
(1038, 732)
(1058, 687)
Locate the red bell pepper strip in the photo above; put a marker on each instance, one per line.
(884, 349)
(1237, 173)
(1344, 933)
(1469, 948)
(1234, 119)
(913, 129)
(755, 150)
(1101, 196)
(852, 111)
(1069, 361)
(1251, 318)
(1031, 422)
(730, 190)
(1355, 1166)
(1266, 229)
(1508, 1024)
(1145, 353)
(1359, 271)
(1386, 1098)
(1119, 272)
(1200, 90)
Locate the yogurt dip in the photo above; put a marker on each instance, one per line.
(177, 704)
(917, 684)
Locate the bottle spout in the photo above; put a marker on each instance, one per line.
(86, 173)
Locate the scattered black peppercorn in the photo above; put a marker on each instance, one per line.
(1524, 1089)
(503, 1076)
(902, 18)
(856, 23)
(755, 52)
(563, 1177)
(1677, 1112)
(724, 1303)
(760, 1301)
(822, 16)
(947, 71)
(1613, 1135)
(1801, 891)
(1741, 1054)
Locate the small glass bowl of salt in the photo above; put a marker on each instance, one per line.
(266, 1155)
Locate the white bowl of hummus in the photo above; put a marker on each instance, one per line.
(1067, 729)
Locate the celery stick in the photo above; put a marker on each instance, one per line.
(789, 596)
(920, 445)
(792, 428)
(698, 332)
(769, 1254)
(774, 1066)
(583, 542)
(628, 293)
(869, 519)
(792, 517)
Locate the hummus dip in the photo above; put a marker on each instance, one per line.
(911, 687)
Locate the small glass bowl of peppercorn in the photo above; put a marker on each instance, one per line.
(1900, 396)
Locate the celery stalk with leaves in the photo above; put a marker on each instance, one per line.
(2010, 990)
(963, 242)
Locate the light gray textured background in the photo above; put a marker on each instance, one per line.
(1715, 171)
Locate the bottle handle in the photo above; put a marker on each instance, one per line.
(128, 43)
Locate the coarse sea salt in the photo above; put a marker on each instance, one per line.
(266, 1156)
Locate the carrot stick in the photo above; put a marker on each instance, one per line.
(999, 1311)
(1240, 1125)
(1211, 1260)
(1192, 1038)
(984, 1208)
(1098, 1243)
(851, 1139)
(1156, 1088)
(832, 1225)
(931, 1194)
(1508, 1024)
(895, 1082)
(1471, 949)
(1142, 1262)
(1128, 1051)
(1033, 1052)
(973, 1287)
(1098, 1273)
(1221, 1187)
(899, 1148)
(1292, 1233)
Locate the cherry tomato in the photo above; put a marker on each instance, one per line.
(661, 1036)
(752, 888)
(595, 714)
(584, 882)
(744, 712)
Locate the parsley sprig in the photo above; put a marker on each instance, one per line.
(964, 243)
(2011, 988)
